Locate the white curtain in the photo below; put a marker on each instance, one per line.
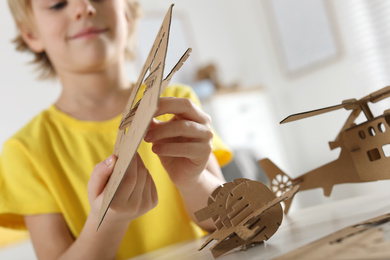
(365, 27)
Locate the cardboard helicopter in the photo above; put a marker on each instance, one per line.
(139, 114)
(364, 152)
(244, 212)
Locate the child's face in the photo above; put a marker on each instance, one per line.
(80, 35)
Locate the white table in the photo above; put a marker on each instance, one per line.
(298, 229)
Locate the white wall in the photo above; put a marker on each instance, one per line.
(240, 37)
(21, 96)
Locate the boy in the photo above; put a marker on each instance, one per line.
(53, 171)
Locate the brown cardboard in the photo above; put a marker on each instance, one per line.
(139, 115)
(365, 240)
(244, 212)
(362, 157)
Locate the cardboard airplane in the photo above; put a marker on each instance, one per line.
(364, 156)
(244, 212)
(137, 116)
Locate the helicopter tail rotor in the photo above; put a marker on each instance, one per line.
(280, 182)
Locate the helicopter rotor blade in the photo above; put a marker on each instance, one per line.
(350, 104)
(377, 95)
(299, 116)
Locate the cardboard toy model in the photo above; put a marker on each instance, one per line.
(139, 115)
(364, 156)
(244, 212)
(366, 240)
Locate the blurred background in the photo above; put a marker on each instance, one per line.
(253, 63)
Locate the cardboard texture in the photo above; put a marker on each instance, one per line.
(366, 240)
(364, 156)
(137, 116)
(244, 212)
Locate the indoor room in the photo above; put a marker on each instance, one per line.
(253, 63)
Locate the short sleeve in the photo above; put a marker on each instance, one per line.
(23, 191)
(221, 151)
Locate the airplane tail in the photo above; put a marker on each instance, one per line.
(280, 182)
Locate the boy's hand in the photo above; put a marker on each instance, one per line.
(183, 143)
(135, 196)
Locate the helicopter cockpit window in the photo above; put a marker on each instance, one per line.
(371, 131)
(362, 134)
(387, 118)
(374, 154)
(386, 150)
(381, 127)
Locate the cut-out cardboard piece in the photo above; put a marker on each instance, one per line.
(366, 240)
(244, 212)
(138, 116)
(364, 152)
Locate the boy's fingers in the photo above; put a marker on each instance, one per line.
(191, 151)
(137, 188)
(100, 175)
(181, 128)
(135, 197)
(129, 181)
(150, 192)
(183, 107)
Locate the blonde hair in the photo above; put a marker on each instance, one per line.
(22, 13)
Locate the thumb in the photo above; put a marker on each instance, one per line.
(100, 175)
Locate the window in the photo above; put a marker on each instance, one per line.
(374, 154)
(386, 150)
(371, 131)
(381, 127)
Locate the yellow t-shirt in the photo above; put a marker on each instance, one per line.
(46, 166)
